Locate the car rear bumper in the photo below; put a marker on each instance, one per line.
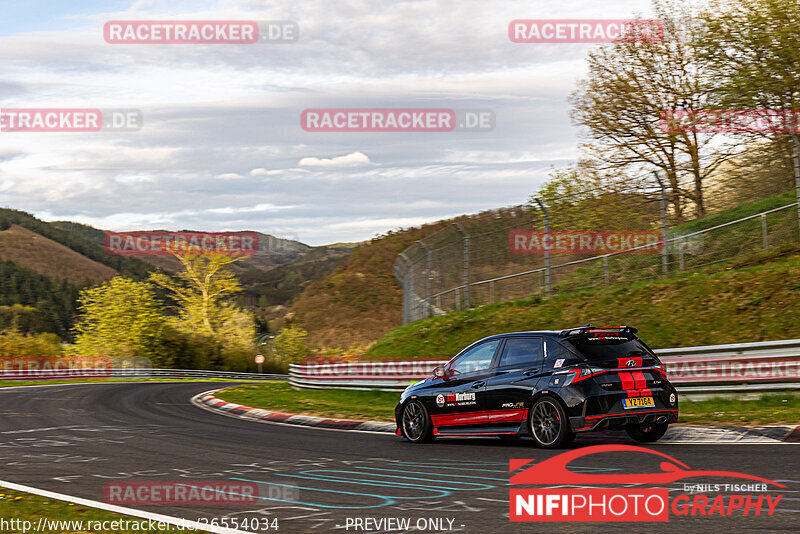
(618, 420)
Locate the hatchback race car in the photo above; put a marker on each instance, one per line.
(546, 384)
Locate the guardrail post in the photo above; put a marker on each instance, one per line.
(458, 300)
(764, 230)
(547, 283)
(491, 292)
(681, 258)
(465, 236)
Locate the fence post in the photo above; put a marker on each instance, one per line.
(663, 205)
(796, 165)
(465, 235)
(764, 230)
(428, 278)
(458, 300)
(605, 268)
(547, 281)
(681, 258)
(405, 288)
(491, 292)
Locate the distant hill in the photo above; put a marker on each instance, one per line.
(49, 258)
(44, 265)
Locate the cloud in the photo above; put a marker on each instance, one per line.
(8, 153)
(354, 159)
(229, 176)
(264, 172)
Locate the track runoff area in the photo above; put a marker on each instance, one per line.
(146, 451)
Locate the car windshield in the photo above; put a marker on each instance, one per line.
(598, 349)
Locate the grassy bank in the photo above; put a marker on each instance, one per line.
(334, 403)
(17, 505)
(753, 301)
(379, 405)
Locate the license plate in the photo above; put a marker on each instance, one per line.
(637, 402)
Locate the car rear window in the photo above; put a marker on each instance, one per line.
(599, 349)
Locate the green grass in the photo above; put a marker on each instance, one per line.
(754, 300)
(379, 405)
(767, 410)
(28, 507)
(373, 405)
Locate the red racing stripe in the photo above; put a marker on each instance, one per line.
(627, 382)
(473, 418)
(640, 382)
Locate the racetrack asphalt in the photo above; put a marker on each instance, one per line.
(74, 439)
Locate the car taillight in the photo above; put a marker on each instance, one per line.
(581, 373)
(663, 367)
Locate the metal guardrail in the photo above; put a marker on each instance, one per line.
(65, 374)
(746, 367)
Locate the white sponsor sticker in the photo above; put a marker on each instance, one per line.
(440, 400)
(559, 363)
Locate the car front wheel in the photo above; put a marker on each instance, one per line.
(416, 423)
(647, 433)
(549, 424)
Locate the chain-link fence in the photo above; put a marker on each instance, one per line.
(507, 254)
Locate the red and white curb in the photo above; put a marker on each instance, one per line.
(208, 401)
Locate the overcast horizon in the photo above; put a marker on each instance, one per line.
(222, 148)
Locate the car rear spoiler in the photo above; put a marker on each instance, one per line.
(600, 331)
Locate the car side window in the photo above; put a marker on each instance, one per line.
(521, 352)
(553, 349)
(478, 358)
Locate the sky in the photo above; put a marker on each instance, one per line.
(221, 146)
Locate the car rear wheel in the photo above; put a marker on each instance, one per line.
(549, 424)
(647, 433)
(416, 423)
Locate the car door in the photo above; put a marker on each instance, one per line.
(514, 378)
(459, 403)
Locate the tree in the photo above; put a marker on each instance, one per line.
(121, 318)
(576, 202)
(630, 84)
(203, 290)
(290, 344)
(752, 46)
(200, 290)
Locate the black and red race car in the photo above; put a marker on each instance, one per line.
(546, 384)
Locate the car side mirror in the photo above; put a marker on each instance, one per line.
(439, 371)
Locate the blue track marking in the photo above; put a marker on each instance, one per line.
(386, 500)
(423, 482)
(473, 477)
